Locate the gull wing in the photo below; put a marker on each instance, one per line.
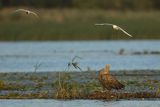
(99, 24)
(125, 32)
(102, 24)
(18, 10)
(30, 12)
(34, 14)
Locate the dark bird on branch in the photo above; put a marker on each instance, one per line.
(107, 81)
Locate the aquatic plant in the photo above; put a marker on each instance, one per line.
(2, 85)
(37, 66)
(75, 85)
(11, 86)
(67, 88)
(62, 86)
(74, 63)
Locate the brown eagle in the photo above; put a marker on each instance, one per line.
(107, 81)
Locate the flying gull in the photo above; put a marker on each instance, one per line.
(26, 11)
(114, 27)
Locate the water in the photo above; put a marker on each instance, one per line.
(77, 103)
(54, 56)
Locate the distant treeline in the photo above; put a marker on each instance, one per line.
(102, 4)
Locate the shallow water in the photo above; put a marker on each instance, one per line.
(77, 103)
(54, 56)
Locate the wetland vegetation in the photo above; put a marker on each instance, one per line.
(77, 24)
(77, 85)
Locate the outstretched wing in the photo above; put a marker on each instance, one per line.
(102, 24)
(124, 31)
(21, 10)
(34, 14)
(29, 12)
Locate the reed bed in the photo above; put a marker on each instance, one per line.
(77, 24)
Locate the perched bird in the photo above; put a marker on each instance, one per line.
(114, 27)
(107, 81)
(27, 12)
